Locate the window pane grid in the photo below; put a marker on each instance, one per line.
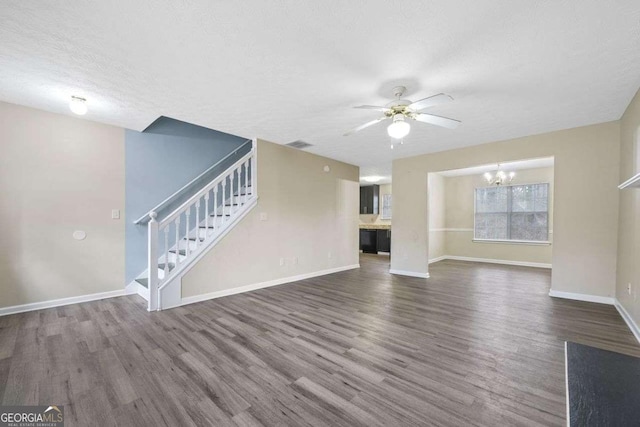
(515, 212)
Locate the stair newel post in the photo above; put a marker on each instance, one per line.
(254, 168)
(215, 206)
(206, 215)
(152, 262)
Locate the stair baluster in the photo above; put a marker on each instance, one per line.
(231, 195)
(206, 215)
(166, 251)
(215, 207)
(246, 179)
(187, 246)
(197, 244)
(177, 260)
(224, 197)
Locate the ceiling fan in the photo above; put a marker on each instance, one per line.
(401, 109)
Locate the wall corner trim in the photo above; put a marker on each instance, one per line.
(5, 311)
(582, 297)
(261, 285)
(409, 273)
(635, 329)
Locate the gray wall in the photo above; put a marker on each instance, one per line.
(158, 162)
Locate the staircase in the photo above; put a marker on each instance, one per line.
(181, 238)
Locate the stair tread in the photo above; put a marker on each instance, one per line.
(143, 281)
(171, 266)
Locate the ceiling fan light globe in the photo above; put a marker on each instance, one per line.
(398, 129)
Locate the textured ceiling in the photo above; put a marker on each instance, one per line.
(290, 70)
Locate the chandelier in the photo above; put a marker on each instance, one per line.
(500, 177)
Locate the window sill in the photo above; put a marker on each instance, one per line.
(514, 242)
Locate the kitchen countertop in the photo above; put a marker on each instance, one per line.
(375, 226)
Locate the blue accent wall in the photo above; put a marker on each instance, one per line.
(158, 162)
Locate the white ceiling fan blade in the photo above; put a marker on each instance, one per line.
(437, 120)
(373, 107)
(366, 125)
(438, 99)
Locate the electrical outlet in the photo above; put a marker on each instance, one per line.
(329, 255)
(295, 260)
(629, 288)
(115, 213)
(281, 262)
(264, 216)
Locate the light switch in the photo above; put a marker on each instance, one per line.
(263, 216)
(115, 213)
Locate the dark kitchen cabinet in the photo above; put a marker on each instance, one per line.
(368, 241)
(384, 241)
(369, 199)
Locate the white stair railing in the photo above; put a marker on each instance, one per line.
(178, 239)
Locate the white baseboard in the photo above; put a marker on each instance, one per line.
(409, 273)
(635, 330)
(497, 261)
(5, 311)
(256, 286)
(440, 258)
(135, 288)
(582, 297)
(566, 384)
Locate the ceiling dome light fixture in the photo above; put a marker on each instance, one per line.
(78, 105)
(372, 178)
(399, 128)
(500, 177)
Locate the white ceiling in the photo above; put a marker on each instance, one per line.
(542, 162)
(293, 69)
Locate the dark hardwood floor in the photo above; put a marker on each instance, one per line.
(476, 344)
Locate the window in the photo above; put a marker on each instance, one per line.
(386, 206)
(512, 213)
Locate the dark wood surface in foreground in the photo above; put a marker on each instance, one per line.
(604, 387)
(476, 344)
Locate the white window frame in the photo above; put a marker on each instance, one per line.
(509, 241)
(386, 208)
